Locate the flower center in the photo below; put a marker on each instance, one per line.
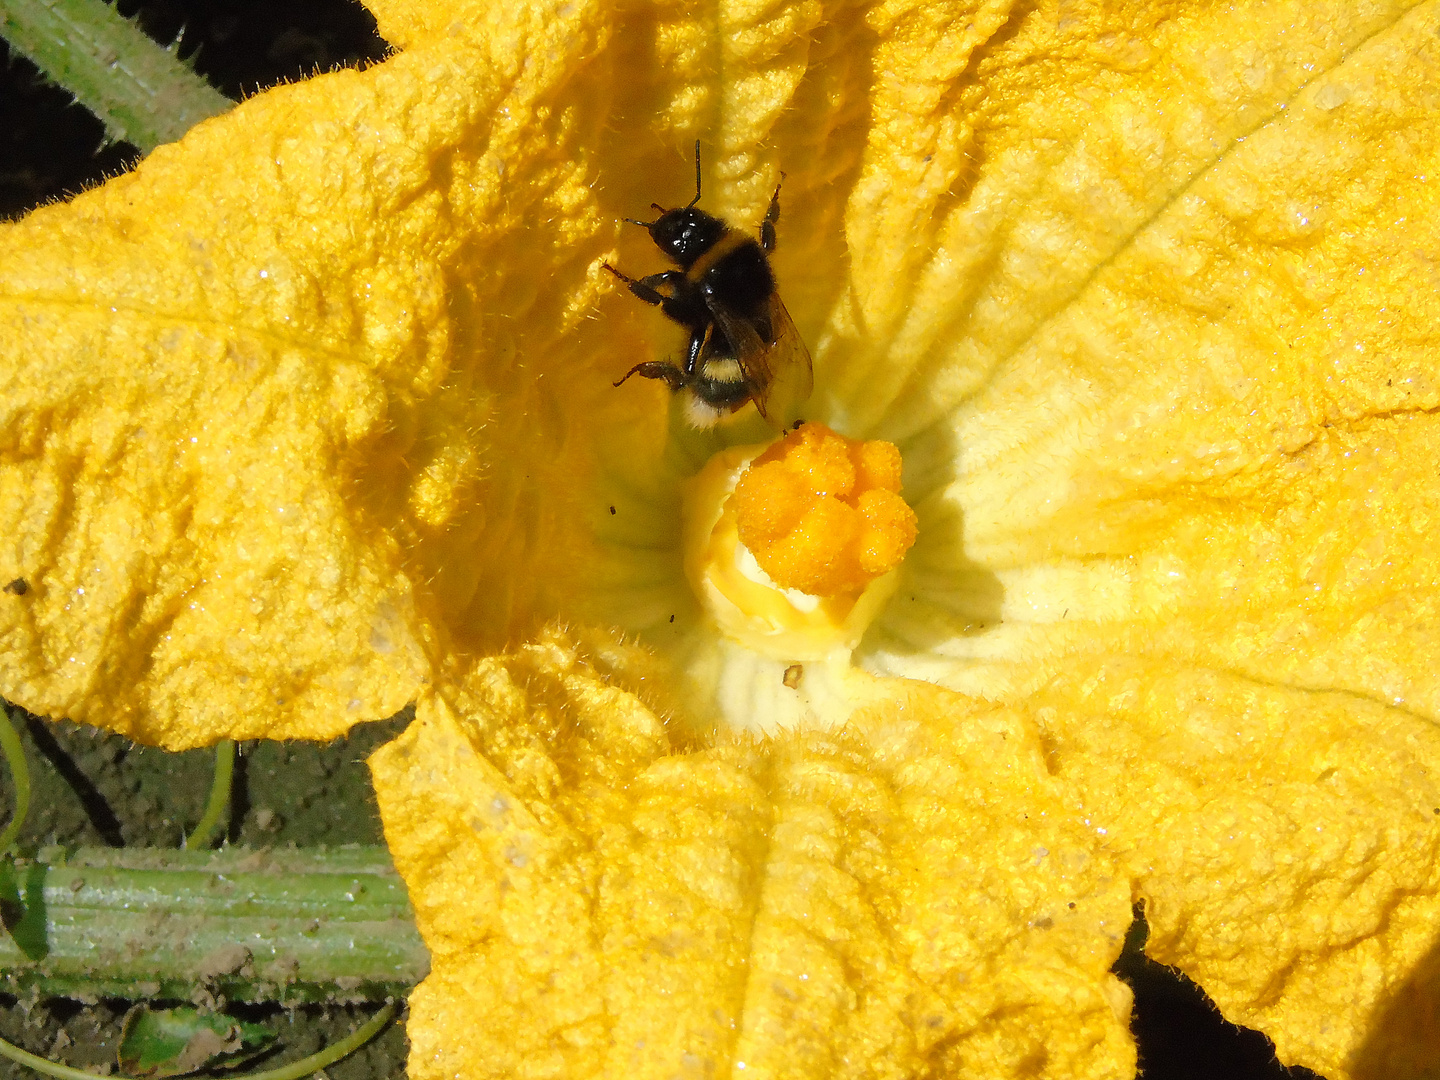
(793, 548)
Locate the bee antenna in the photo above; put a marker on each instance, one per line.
(697, 175)
(634, 221)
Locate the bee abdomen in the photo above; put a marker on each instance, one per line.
(721, 383)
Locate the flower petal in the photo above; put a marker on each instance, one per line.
(1195, 506)
(912, 892)
(238, 427)
(1287, 845)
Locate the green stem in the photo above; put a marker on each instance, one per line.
(312, 924)
(144, 94)
(42, 1065)
(294, 1071)
(331, 1054)
(20, 773)
(219, 802)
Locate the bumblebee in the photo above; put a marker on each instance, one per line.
(743, 345)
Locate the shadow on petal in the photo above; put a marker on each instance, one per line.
(1404, 1039)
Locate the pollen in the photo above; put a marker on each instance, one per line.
(822, 514)
(794, 548)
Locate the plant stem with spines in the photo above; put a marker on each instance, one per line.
(143, 93)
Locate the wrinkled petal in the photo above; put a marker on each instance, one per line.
(603, 903)
(240, 455)
(1287, 846)
(1198, 501)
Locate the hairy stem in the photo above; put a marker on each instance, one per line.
(143, 93)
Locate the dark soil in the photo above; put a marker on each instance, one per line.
(92, 788)
(86, 1036)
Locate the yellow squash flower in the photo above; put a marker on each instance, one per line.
(311, 416)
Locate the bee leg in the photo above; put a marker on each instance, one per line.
(621, 275)
(699, 343)
(672, 376)
(646, 288)
(643, 289)
(649, 289)
(685, 310)
(772, 215)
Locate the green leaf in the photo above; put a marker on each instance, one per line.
(22, 905)
(172, 1042)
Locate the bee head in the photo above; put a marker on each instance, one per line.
(685, 233)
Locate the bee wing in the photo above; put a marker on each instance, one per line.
(792, 376)
(778, 372)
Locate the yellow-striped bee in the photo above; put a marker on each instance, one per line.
(743, 345)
